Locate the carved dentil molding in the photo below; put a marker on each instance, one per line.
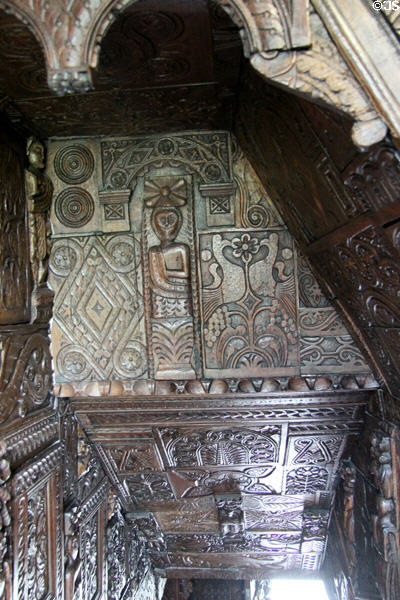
(146, 387)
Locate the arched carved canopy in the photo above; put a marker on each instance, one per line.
(286, 41)
(71, 32)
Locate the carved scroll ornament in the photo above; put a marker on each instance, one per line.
(25, 374)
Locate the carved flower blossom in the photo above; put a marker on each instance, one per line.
(245, 247)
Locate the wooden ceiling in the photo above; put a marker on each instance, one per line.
(166, 70)
(161, 68)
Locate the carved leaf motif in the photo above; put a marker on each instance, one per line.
(306, 480)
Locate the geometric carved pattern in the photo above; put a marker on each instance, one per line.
(74, 164)
(205, 154)
(98, 327)
(220, 205)
(114, 212)
(327, 354)
(316, 450)
(74, 207)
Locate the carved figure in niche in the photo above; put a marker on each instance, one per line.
(169, 267)
(170, 287)
(39, 190)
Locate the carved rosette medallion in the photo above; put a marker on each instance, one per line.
(74, 164)
(74, 207)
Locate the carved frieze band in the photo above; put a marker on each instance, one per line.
(31, 438)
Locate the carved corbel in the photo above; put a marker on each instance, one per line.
(370, 46)
(321, 74)
(149, 530)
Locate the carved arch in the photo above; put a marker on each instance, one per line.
(71, 32)
(286, 40)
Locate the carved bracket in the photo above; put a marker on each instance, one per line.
(322, 74)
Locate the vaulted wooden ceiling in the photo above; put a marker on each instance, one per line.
(166, 69)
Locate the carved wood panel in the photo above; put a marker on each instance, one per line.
(106, 338)
(14, 240)
(365, 537)
(92, 545)
(25, 372)
(219, 489)
(37, 528)
(174, 289)
(249, 313)
(354, 251)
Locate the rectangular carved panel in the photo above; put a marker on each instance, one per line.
(98, 328)
(37, 529)
(14, 239)
(92, 543)
(248, 300)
